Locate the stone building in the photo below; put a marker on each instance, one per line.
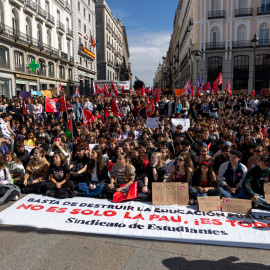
(31, 33)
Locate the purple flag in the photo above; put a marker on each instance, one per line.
(201, 82)
(25, 94)
(198, 80)
(210, 89)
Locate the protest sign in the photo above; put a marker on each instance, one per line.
(179, 92)
(24, 94)
(222, 105)
(170, 193)
(29, 148)
(36, 93)
(152, 122)
(92, 145)
(140, 220)
(267, 192)
(210, 203)
(236, 206)
(184, 122)
(46, 93)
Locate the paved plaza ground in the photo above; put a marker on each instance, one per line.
(38, 249)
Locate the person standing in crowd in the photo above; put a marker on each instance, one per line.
(77, 107)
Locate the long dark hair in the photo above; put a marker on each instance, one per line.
(210, 177)
(100, 163)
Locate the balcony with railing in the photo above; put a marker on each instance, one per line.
(50, 18)
(61, 2)
(62, 76)
(30, 6)
(69, 32)
(67, 6)
(18, 2)
(243, 12)
(41, 12)
(264, 43)
(19, 67)
(4, 64)
(60, 27)
(216, 14)
(42, 72)
(264, 10)
(215, 46)
(51, 74)
(110, 45)
(241, 44)
(64, 56)
(110, 62)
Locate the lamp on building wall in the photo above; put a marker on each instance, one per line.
(255, 42)
(198, 58)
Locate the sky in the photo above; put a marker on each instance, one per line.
(149, 25)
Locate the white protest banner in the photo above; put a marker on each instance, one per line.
(152, 122)
(184, 122)
(141, 220)
(92, 145)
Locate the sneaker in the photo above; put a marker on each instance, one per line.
(142, 196)
(191, 201)
(15, 198)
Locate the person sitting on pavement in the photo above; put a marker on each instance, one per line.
(231, 176)
(253, 185)
(204, 183)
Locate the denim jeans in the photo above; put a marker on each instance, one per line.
(261, 201)
(194, 192)
(239, 195)
(87, 192)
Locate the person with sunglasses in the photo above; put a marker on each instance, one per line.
(181, 172)
(252, 162)
(253, 185)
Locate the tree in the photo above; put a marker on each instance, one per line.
(138, 84)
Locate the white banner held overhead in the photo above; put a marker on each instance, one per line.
(141, 220)
(184, 122)
(152, 122)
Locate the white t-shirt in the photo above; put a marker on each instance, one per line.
(255, 103)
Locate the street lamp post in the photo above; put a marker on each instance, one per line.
(131, 80)
(255, 42)
(198, 58)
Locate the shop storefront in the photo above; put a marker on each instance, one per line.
(26, 83)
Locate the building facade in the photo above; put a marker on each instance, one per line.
(31, 33)
(113, 50)
(84, 30)
(213, 36)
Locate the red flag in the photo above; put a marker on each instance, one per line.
(209, 145)
(105, 91)
(107, 114)
(92, 41)
(228, 87)
(77, 91)
(122, 90)
(143, 91)
(115, 109)
(206, 87)
(24, 106)
(198, 91)
(150, 108)
(253, 92)
(148, 90)
(113, 87)
(88, 117)
(159, 90)
(61, 88)
(155, 96)
(218, 81)
(98, 91)
(55, 105)
(138, 92)
(192, 90)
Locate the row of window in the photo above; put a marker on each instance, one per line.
(84, 11)
(242, 33)
(218, 4)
